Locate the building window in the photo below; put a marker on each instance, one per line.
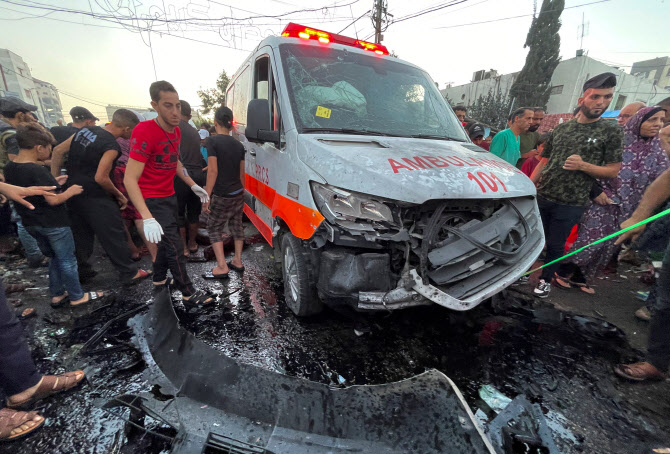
(620, 102)
(557, 89)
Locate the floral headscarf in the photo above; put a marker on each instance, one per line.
(643, 161)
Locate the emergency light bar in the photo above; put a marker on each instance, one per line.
(300, 31)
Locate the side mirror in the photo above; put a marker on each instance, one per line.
(259, 124)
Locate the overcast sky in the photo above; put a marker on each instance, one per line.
(105, 63)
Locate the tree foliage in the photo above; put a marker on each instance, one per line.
(213, 98)
(492, 109)
(532, 87)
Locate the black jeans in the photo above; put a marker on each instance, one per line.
(659, 331)
(17, 369)
(170, 253)
(100, 217)
(189, 206)
(557, 220)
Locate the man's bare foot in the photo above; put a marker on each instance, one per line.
(57, 300)
(47, 386)
(16, 424)
(220, 270)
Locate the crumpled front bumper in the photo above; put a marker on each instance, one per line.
(216, 400)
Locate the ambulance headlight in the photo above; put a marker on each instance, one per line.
(338, 204)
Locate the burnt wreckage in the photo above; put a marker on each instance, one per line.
(219, 405)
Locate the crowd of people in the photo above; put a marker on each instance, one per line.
(77, 183)
(73, 184)
(591, 176)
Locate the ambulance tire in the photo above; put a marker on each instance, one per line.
(299, 282)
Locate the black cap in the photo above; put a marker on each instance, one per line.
(604, 80)
(14, 104)
(476, 130)
(79, 113)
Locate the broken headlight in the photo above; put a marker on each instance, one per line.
(337, 204)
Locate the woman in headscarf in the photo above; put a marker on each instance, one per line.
(643, 161)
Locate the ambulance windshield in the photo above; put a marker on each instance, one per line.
(335, 89)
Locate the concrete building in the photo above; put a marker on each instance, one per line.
(656, 69)
(567, 82)
(16, 80)
(147, 113)
(52, 110)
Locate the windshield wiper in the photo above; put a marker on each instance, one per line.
(363, 132)
(430, 136)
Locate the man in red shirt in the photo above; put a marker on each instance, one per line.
(152, 165)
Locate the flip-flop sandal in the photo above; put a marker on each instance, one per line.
(92, 296)
(212, 276)
(143, 275)
(167, 282)
(12, 419)
(50, 385)
(239, 269)
(197, 259)
(632, 372)
(561, 283)
(61, 303)
(198, 299)
(24, 314)
(193, 251)
(15, 302)
(15, 288)
(586, 289)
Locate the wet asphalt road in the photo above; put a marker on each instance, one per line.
(519, 347)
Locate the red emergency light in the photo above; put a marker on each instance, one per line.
(300, 31)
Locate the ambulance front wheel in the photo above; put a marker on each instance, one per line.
(299, 283)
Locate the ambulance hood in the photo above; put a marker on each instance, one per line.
(411, 170)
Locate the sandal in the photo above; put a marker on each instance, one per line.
(142, 275)
(23, 314)
(562, 282)
(211, 276)
(239, 269)
(11, 420)
(15, 302)
(92, 296)
(62, 302)
(165, 283)
(15, 288)
(50, 385)
(639, 372)
(198, 299)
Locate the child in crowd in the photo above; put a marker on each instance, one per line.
(48, 222)
(530, 163)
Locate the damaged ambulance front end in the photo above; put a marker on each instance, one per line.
(413, 212)
(451, 225)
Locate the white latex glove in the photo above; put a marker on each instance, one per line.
(152, 230)
(204, 198)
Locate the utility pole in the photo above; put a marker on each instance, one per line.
(379, 18)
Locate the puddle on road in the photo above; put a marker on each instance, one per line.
(561, 362)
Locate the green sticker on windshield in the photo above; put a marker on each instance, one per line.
(322, 112)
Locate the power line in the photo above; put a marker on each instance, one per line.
(354, 21)
(191, 20)
(429, 10)
(516, 17)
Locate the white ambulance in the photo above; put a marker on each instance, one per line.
(361, 178)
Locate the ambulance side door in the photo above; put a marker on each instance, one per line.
(263, 158)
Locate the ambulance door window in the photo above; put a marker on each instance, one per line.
(241, 97)
(263, 86)
(261, 78)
